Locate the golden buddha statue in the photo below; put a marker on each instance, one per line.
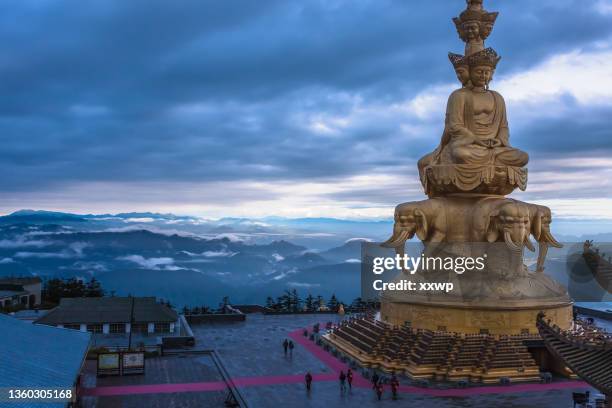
(476, 122)
(475, 143)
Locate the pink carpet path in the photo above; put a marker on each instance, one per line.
(334, 365)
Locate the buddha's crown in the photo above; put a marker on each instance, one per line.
(457, 60)
(475, 14)
(487, 57)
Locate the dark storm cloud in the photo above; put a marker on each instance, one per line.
(209, 91)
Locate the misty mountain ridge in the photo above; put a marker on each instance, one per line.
(196, 261)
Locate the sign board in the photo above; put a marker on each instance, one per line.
(133, 363)
(108, 364)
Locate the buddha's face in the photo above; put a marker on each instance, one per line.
(486, 30)
(463, 74)
(472, 30)
(481, 75)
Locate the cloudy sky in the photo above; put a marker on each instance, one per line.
(291, 108)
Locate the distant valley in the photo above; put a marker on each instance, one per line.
(193, 261)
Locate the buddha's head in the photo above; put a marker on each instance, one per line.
(461, 66)
(472, 30)
(482, 67)
(481, 75)
(486, 29)
(463, 74)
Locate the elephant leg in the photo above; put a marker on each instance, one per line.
(432, 246)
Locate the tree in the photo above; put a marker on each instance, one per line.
(358, 304)
(270, 303)
(94, 288)
(310, 303)
(333, 303)
(320, 302)
(55, 289)
(295, 301)
(284, 302)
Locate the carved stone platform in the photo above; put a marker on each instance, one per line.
(500, 320)
(443, 179)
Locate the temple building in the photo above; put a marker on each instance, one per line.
(41, 357)
(20, 292)
(114, 321)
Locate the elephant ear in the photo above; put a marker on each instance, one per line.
(491, 227)
(536, 226)
(422, 228)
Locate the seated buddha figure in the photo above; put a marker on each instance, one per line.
(476, 126)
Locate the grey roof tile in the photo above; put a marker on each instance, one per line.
(108, 310)
(35, 356)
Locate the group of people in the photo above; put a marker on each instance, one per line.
(347, 378)
(288, 346)
(379, 389)
(344, 378)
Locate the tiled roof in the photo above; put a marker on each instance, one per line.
(36, 356)
(10, 293)
(108, 310)
(20, 281)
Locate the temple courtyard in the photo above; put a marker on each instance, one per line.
(253, 360)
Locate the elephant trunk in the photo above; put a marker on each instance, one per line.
(399, 237)
(543, 250)
(516, 255)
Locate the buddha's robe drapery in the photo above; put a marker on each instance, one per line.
(473, 145)
(463, 127)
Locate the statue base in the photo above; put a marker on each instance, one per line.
(475, 320)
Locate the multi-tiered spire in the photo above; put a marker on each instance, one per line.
(474, 25)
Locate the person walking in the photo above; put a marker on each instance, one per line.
(379, 391)
(285, 345)
(375, 379)
(342, 379)
(291, 346)
(308, 379)
(394, 388)
(349, 378)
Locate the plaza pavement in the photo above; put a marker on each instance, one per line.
(253, 356)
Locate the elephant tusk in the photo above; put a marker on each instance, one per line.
(547, 237)
(508, 239)
(529, 245)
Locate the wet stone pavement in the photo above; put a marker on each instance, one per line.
(254, 348)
